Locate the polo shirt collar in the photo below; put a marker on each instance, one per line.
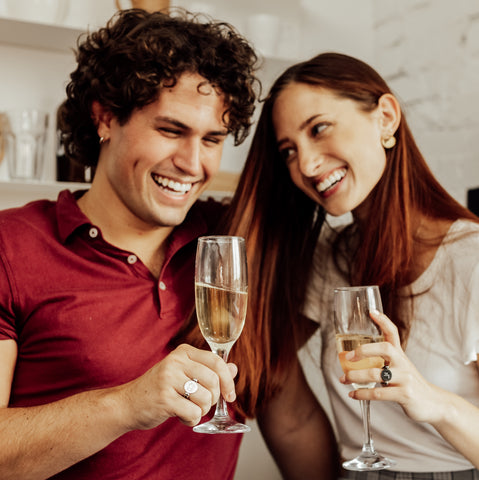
(69, 215)
(70, 218)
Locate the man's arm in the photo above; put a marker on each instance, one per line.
(298, 432)
(38, 442)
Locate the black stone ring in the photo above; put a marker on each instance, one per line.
(386, 376)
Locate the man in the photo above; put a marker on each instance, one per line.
(95, 285)
(96, 289)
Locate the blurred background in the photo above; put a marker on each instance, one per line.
(427, 50)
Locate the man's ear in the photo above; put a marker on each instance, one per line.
(390, 114)
(102, 119)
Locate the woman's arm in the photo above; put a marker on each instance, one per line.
(456, 419)
(298, 433)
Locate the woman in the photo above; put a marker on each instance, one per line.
(332, 138)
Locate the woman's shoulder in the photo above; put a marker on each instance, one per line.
(465, 225)
(460, 249)
(462, 234)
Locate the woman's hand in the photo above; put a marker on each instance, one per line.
(419, 399)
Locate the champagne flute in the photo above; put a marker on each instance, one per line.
(221, 292)
(354, 327)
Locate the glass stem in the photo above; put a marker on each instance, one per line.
(367, 441)
(221, 406)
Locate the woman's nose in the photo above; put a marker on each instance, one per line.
(310, 160)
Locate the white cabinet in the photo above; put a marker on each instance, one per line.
(36, 61)
(55, 38)
(272, 24)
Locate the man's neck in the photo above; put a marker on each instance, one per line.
(126, 232)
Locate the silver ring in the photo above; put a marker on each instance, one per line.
(190, 387)
(386, 376)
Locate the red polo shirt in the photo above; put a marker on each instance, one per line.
(86, 314)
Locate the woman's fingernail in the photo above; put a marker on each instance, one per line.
(349, 355)
(374, 311)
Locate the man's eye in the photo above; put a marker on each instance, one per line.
(169, 131)
(213, 140)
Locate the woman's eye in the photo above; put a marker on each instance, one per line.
(286, 153)
(319, 128)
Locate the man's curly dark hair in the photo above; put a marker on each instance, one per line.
(124, 65)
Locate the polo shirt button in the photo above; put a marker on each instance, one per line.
(93, 232)
(162, 286)
(132, 259)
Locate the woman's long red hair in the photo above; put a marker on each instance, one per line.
(281, 226)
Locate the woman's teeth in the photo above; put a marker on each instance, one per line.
(334, 178)
(172, 185)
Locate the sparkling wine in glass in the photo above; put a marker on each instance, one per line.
(221, 293)
(354, 327)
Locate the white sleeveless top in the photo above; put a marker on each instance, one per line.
(443, 345)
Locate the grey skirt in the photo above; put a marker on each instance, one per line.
(389, 475)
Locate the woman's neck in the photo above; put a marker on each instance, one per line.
(428, 236)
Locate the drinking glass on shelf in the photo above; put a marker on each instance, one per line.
(354, 327)
(221, 293)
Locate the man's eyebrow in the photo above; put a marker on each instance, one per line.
(172, 121)
(182, 126)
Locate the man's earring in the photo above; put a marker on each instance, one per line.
(388, 142)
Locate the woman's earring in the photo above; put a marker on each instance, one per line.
(388, 142)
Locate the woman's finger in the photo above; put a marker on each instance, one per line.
(378, 354)
(388, 328)
(371, 375)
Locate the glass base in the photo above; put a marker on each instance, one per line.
(221, 426)
(368, 461)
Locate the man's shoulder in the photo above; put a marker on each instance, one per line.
(214, 203)
(212, 210)
(20, 220)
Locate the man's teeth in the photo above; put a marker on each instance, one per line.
(172, 185)
(335, 177)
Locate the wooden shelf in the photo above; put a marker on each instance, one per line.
(225, 182)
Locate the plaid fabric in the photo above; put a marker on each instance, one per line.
(389, 475)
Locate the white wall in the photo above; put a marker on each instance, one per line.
(307, 27)
(428, 51)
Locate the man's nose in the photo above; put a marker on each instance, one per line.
(188, 156)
